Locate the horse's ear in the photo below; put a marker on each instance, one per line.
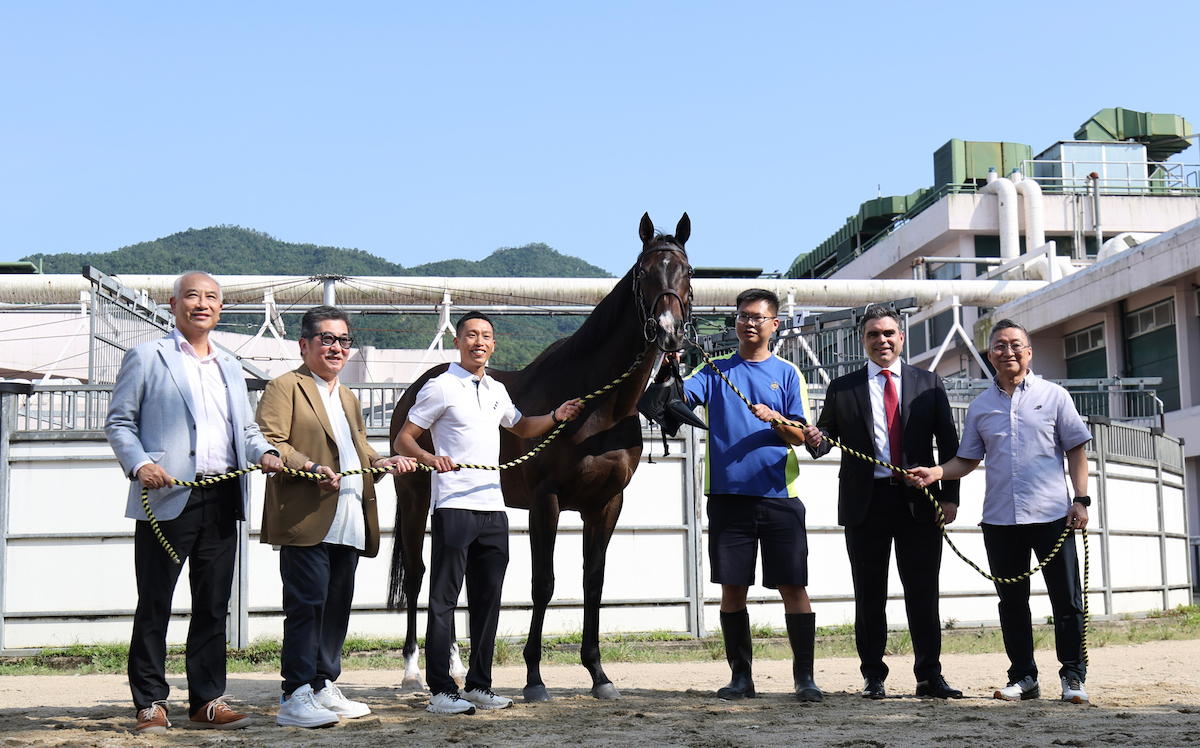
(683, 230)
(646, 230)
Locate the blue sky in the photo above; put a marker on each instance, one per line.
(425, 131)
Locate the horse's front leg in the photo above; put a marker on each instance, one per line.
(597, 531)
(411, 530)
(543, 532)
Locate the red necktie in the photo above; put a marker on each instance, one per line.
(891, 406)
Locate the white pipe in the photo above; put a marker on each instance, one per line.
(1006, 192)
(389, 292)
(1035, 224)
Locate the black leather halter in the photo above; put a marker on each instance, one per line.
(649, 322)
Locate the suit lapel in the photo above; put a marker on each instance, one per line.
(169, 351)
(862, 399)
(308, 386)
(908, 383)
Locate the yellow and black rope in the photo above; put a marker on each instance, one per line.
(941, 517)
(154, 526)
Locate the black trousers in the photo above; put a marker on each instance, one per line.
(205, 535)
(471, 545)
(1008, 549)
(918, 559)
(318, 588)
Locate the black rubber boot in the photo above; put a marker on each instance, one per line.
(802, 633)
(739, 651)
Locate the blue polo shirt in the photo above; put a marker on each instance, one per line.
(1025, 439)
(745, 456)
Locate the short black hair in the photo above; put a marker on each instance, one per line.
(878, 311)
(318, 314)
(759, 294)
(1006, 324)
(458, 326)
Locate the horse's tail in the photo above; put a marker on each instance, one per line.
(396, 599)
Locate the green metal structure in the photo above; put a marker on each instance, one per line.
(962, 166)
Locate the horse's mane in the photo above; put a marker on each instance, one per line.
(601, 323)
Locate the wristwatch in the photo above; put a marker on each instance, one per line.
(1085, 500)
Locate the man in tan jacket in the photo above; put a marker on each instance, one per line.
(321, 528)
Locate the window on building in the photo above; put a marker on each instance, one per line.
(1151, 350)
(1087, 358)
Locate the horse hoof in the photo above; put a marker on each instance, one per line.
(536, 693)
(412, 683)
(605, 691)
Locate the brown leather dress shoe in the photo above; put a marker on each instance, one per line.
(153, 719)
(215, 715)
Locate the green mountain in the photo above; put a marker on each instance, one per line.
(232, 250)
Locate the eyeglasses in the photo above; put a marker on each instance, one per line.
(328, 339)
(746, 319)
(1000, 348)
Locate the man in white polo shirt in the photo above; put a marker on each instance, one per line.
(463, 409)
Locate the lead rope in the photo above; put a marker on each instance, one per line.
(154, 526)
(941, 517)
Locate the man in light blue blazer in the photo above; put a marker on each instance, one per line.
(180, 410)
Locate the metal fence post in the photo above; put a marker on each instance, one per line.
(9, 393)
(1100, 427)
(696, 531)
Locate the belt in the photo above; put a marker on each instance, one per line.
(209, 476)
(891, 480)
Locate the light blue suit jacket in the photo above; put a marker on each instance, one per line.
(152, 418)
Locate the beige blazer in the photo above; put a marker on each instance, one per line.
(293, 419)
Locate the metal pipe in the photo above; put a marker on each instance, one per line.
(532, 294)
(1095, 180)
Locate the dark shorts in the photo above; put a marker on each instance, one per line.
(737, 525)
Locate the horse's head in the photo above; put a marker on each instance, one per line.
(663, 284)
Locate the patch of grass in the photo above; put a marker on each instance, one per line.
(362, 653)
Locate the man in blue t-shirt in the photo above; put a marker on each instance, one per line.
(751, 481)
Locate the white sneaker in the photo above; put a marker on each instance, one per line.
(1073, 691)
(485, 698)
(332, 698)
(449, 703)
(1023, 690)
(301, 709)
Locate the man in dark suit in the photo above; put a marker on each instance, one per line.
(893, 412)
(180, 410)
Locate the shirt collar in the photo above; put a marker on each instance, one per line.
(186, 348)
(873, 368)
(467, 378)
(1026, 381)
(321, 383)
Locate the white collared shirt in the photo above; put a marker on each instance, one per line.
(463, 415)
(210, 396)
(875, 385)
(349, 525)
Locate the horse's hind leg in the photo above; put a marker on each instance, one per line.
(543, 531)
(597, 531)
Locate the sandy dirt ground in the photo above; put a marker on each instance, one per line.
(1145, 695)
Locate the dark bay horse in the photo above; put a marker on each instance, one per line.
(587, 467)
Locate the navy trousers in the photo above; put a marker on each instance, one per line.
(318, 588)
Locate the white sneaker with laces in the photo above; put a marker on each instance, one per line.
(332, 698)
(485, 698)
(449, 703)
(1073, 691)
(301, 709)
(1023, 690)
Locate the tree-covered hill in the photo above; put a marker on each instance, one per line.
(232, 250)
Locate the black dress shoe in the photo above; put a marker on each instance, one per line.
(938, 688)
(874, 689)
